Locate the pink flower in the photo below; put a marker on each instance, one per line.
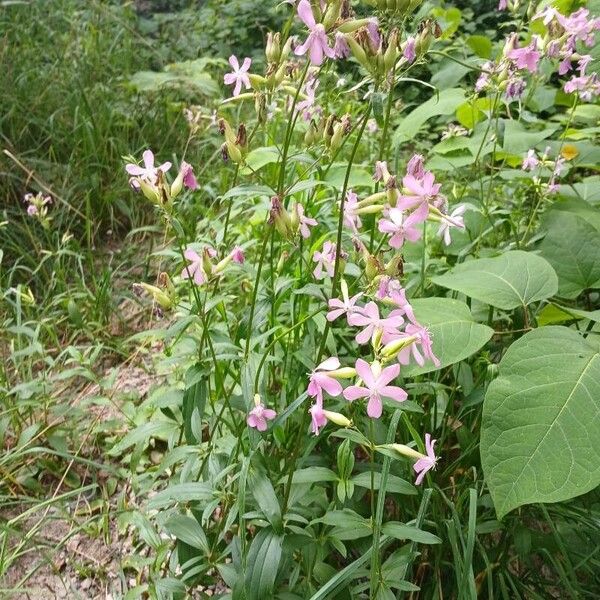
(346, 306)
(259, 415)
(317, 416)
(368, 317)
(427, 462)
(376, 381)
(319, 380)
(325, 260)
(239, 76)
(351, 219)
(305, 222)
(420, 191)
(237, 255)
(402, 227)
(527, 57)
(503, 5)
(194, 270)
(316, 44)
(453, 220)
(148, 172)
(423, 340)
(410, 50)
(530, 162)
(189, 179)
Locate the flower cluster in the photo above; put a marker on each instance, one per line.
(560, 46)
(150, 179)
(533, 162)
(37, 206)
(202, 268)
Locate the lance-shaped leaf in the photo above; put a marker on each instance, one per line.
(541, 420)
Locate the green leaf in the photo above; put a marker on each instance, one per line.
(194, 403)
(266, 499)
(443, 104)
(313, 475)
(455, 334)
(513, 279)
(182, 492)
(259, 158)
(401, 531)
(541, 420)
(264, 556)
(518, 139)
(395, 484)
(188, 530)
(481, 45)
(572, 247)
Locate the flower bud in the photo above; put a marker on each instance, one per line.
(337, 418)
(404, 450)
(279, 217)
(343, 373)
(150, 191)
(160, 296)
(273, 49)
(392, 348)
(260, 106)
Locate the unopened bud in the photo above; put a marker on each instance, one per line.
(273, 49)
(343, 373)
(392, 348)
(403, 450)
(337, 418)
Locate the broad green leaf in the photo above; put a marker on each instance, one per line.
(182, 492)
(395, 484)
(481, 45)
(401, 531)
(541, 420)
(552, 314)
(572, 247)
(443, 104)
(507, 281)
(188, 530)
(455, 334)
(264, 556)
(519, 139)
(259, 158)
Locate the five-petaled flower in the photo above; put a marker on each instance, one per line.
(148, 172)
(239, 76)
(368, 317)
(376, 381)
(403, 227)
(316, 44)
